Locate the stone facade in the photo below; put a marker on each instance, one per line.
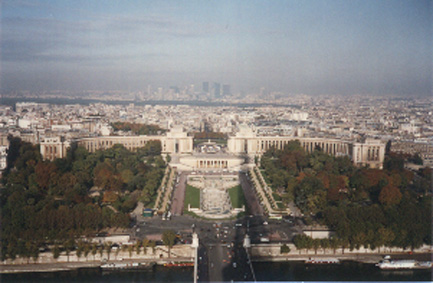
(246, 142)
(369, 153)
(52, 148)
(175, 141)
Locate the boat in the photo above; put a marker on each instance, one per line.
(178, 264)
(388, 264)
(125, 266)
(322, 261)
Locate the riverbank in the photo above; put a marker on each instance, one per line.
(65, 266)
(362, 258)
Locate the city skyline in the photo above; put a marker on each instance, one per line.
(315, 47)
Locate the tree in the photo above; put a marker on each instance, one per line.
(108, 247)
(130, 249)
(124, 248)
(316, 245)
(303, 242)
(393, 161)
(138, 247)
(69, 246)
(101, 251)
(94, 250)
(80, 248)
(334, 243)
(86, 250)
(34, 252)
(284, 249)
(145, 243)
(359, 239)
(386, 237)
(390, 195)
(152, 244)
(56, 252)
(168, 238)
(310, 195)
(343, 243)
(324, 243)
(45, 173)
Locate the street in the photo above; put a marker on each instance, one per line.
(221, 255)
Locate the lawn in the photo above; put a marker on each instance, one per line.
(237, 197)
(192, 196)
(276, 197)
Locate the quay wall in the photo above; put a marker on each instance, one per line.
(161, 254)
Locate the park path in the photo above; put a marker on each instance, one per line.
(179, 195)
(250, 196)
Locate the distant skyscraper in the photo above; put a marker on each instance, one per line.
(205, 86)
(216, 90)
(226, 89)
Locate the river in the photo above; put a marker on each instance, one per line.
(265, 271)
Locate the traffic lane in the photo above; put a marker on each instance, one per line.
(238, 268)
(217, 263)
(203, 264)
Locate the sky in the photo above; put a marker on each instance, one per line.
(309, 47)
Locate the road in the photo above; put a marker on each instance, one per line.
(221, 253)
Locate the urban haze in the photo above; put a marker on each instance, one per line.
(216, 141)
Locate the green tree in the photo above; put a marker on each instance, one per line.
(86, 250)
(56, 252)
(94, 250)
(344, 242)
(334, 243)
(152, 244)
(145, 244)
(101, 251)
(130, 249)
(168, 238)
(284, 249)
(69, 246)
(386, 236)
(316, 245)
(310, 195)
(34, 252)
(138, 247)
(80, 249)
(108, 247)
(325, 244)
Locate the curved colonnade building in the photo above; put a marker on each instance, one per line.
(245, 143)
(368, 153)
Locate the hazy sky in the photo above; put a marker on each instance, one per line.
(311, 47)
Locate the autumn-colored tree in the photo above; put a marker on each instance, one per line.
(324, 177)
(103, 172)
(390, 195)
(45, 173)
(110, 197)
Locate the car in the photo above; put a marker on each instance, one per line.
(265, 223)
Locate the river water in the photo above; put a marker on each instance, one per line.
(265, 271)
